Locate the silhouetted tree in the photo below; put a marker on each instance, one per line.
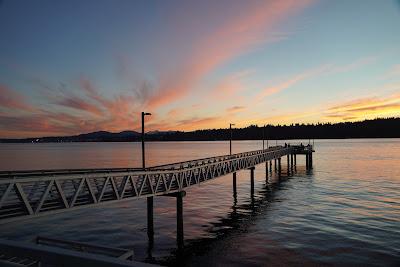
(377, 128)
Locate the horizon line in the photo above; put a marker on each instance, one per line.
(209, 129)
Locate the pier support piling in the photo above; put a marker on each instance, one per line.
(279, 168)
(252, 181)
(275, 165)
(234, 184)
(179, 221)
(288, 165)
(270, 166)
(266, 171)
(150, 220)
(179, 217)
(307, 162)
(291, 162)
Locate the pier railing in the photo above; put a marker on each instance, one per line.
(25, 194)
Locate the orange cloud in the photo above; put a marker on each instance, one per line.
(34, 125)
(114, 114)
(365, 108)
(121, 112)
(288, 118)
(238, 35)
(190, 124)
(197, 123)
(175, 112)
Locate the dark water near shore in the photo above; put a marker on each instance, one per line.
(346, 211)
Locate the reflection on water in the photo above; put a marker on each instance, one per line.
(345, 212)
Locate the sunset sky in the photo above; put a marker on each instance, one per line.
(70, 67)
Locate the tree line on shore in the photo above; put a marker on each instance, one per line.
(376, 128)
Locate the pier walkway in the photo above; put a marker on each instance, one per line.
(26, 194)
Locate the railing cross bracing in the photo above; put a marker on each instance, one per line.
(25, 194)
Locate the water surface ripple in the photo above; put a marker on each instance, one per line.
(346, 211)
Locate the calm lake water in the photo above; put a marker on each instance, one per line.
(346, 211)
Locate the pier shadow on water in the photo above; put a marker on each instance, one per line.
(196, 252)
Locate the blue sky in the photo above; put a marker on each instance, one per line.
(69, 67)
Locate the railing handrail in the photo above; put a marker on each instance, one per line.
(102, 171)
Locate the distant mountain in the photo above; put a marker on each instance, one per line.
(161, 132)
(104, 136)
(100, 136)
(108, 135)
(377, 128)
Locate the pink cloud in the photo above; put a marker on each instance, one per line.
(34, 125)
(292, 81)
(116, 113)
(80, 104)
(235, 109)
(230, 86)
(354, 65)
(175, 112)
(10, 99)
(235, 37)
(120, 112)
(311, 73)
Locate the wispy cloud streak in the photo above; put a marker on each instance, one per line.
(365, 108)
(236, 36)
(10, 99)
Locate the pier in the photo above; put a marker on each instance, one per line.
(29, 194)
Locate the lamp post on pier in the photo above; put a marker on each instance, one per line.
(150, 222)
(230, 153)
(143, 155)
(263, 135)
(263, 146)
(230, 140)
